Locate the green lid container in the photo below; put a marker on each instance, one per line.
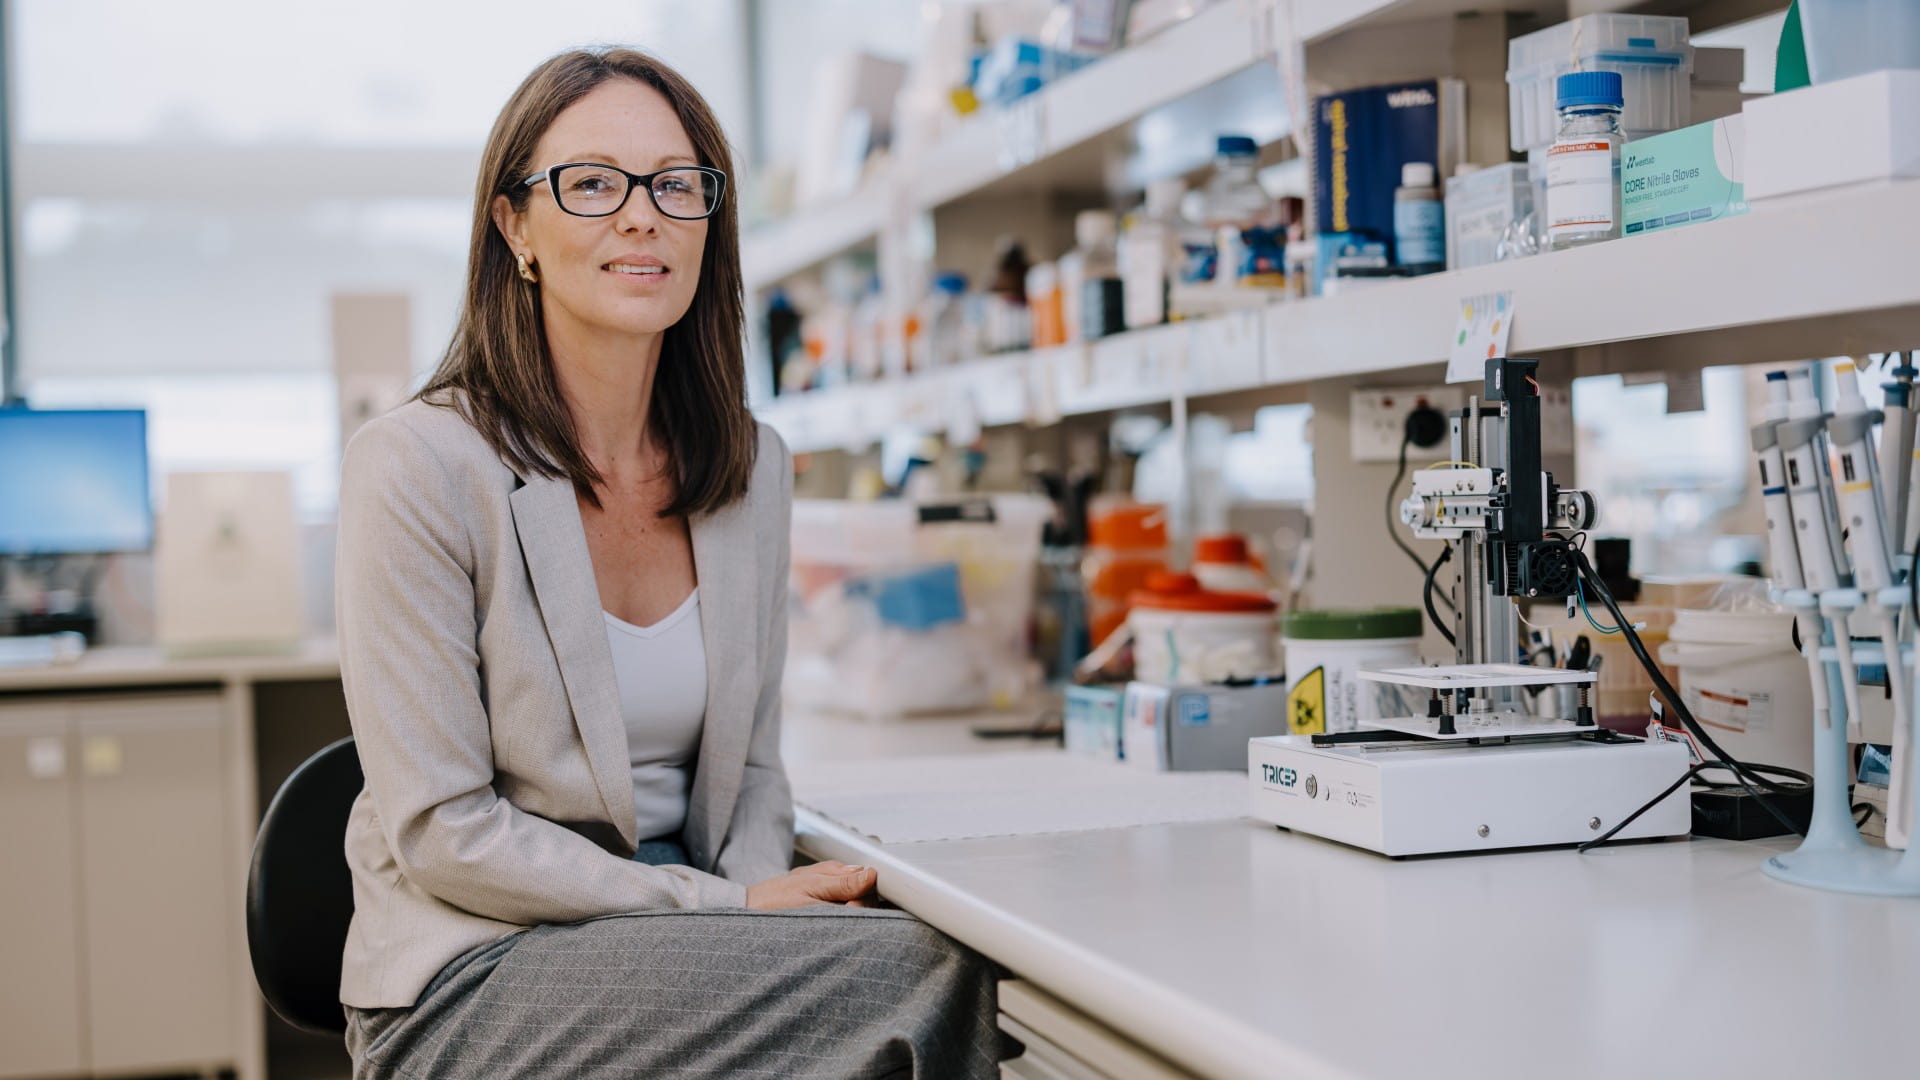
(1385, 622)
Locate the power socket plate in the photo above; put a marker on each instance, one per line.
(1378, 421)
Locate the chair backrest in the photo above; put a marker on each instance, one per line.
(299, 892)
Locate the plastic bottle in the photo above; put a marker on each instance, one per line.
(1303, 257)
(1007, 325)
(783, 338)
(1072, 275)
(1264, 260)
(864, 348)
(1150, 255)
(1419, 221)
(1044, 305)
(1583, 167)
(947, 328)
(1232, 198)
(1102, 307)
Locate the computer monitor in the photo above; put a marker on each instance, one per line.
(74, 482)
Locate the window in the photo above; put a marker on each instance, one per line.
(194, 180)
(1674, 483)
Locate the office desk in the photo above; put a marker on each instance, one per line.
(1234, 949)
(124, 666)
(146, 777)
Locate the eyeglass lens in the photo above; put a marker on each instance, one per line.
(595, 190)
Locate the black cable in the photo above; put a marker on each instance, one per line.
(1738, 768)
(1692, 770)
(1393, 524)
(1748, 775)
(1800, 779)
(1693, 773)
(1426, 594)
(1864, 812)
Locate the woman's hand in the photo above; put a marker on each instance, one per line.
(817, 883)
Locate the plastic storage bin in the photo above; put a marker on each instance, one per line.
(1650, 52)
(896, 608)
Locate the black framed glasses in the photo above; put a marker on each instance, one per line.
(592, 189)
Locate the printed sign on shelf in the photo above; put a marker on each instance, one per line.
(1479, 335)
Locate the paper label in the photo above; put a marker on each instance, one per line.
(1732, 709)
(1480, 334)
(1662, 733)
(1580, 187)
(1196, 710)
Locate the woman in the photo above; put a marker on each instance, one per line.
(562, 584)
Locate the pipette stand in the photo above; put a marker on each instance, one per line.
(1834, 856)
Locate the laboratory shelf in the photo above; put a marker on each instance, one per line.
(1062, 137)
(1823, 275)
(1148, 110)
(1065, 136)
(1826, 274)
(785, 247)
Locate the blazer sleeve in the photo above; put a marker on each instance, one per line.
(759, 843)
(409, 657)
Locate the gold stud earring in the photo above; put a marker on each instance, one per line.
(526, 269)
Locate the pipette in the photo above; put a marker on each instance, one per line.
(1851, 428)
(1782, 550)
(1816, 519)
(1896, 453)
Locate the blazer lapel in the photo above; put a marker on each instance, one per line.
(723, 557)
(554, 544)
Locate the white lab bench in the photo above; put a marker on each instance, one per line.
(1234, 949)
(1226, 948)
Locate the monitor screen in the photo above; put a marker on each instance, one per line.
(74, 482)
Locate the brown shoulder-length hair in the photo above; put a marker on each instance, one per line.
(498, 359)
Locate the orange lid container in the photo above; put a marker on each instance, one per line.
(1134, 528)
(1221, 549)
(1168, 591)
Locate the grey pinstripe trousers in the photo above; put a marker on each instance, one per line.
(811, 992)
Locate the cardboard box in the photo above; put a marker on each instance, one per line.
(1195, 728)
(1853, 131)
(1092, 722)
(1684, 177)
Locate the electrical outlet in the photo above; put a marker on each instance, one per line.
(1378, 421)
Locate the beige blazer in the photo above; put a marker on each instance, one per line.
(481, 690)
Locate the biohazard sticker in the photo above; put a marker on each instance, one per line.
(1307, 704)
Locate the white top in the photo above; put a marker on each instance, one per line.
(662, 674)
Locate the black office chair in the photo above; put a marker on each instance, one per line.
(299, 893)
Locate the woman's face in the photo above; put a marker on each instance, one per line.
(631, 273)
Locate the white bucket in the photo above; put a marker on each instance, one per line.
(1324, 690)
(1746, 685)
(1172, 647)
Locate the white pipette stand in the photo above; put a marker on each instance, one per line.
(1834, 856)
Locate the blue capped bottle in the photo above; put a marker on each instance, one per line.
(1583, 167)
